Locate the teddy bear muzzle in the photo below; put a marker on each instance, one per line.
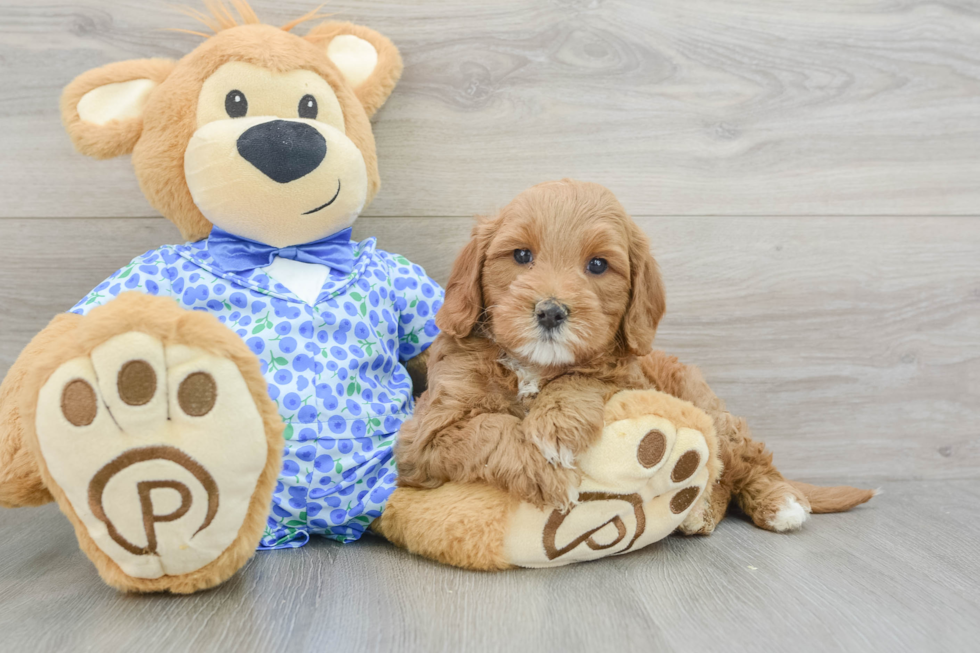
(283, 150)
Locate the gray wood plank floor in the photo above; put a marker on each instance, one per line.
(899, 574)
(808, 174)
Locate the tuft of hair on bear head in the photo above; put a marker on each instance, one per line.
(221, 18)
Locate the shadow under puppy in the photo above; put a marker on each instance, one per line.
(551, 309)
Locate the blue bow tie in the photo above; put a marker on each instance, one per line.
(237, 254)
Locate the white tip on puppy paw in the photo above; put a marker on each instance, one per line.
(790, 517)
(549, 452)
(572, 496)
(561, 456)
(565, 457)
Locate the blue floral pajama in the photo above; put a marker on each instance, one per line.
(335, 370)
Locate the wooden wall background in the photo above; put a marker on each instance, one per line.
(809, 173)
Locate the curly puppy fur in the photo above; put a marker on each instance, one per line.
(511, 402)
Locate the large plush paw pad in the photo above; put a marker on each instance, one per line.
(641, 480)
(157, 449)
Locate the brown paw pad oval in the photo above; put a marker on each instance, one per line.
(78, 403)
(683, 499)
(686, 466)
(137, 383)
(652, 448)
(197, 394)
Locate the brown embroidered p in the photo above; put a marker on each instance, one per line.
(557, 518)
(144, 489)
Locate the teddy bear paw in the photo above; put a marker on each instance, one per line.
(157, 449)
(641, 480)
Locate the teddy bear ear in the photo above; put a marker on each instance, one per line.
(368, 61)
(102, 109)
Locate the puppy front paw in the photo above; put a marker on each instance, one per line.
(566, 419)
(548, 487)
(557, 452)
(560, 441)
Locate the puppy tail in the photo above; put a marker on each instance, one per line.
(839, 498)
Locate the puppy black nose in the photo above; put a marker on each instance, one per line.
(550, 314)
(284, 150)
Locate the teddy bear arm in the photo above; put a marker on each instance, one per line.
(20, 479)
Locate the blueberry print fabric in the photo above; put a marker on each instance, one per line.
(335, 370)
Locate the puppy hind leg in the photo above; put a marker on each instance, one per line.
(757, 486)
(773, 504)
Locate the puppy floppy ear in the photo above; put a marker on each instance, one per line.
(647, 300)
(368, 61)
(463, 304)
(102, 109)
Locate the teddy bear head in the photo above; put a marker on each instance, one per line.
(258, 131)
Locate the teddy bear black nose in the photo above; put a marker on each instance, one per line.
(284, 150)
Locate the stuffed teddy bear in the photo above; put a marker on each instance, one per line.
(269, 360)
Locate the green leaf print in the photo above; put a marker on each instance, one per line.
(339, 468)
(357, 296)
(288, 433)
(262, 323)
(351, 389)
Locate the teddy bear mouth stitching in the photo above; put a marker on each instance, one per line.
(323, 206)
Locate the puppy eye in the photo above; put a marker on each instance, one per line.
(307, 107)
(523, 256)
(236, 105)
(597, 265)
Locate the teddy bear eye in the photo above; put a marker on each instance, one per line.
(236, 105)
(523, 256)
(307, 107)
(597, 265)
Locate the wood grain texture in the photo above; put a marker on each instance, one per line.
(899, 574)
(851, 345)
(685, 107)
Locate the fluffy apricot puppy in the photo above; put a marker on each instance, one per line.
(551, 309)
